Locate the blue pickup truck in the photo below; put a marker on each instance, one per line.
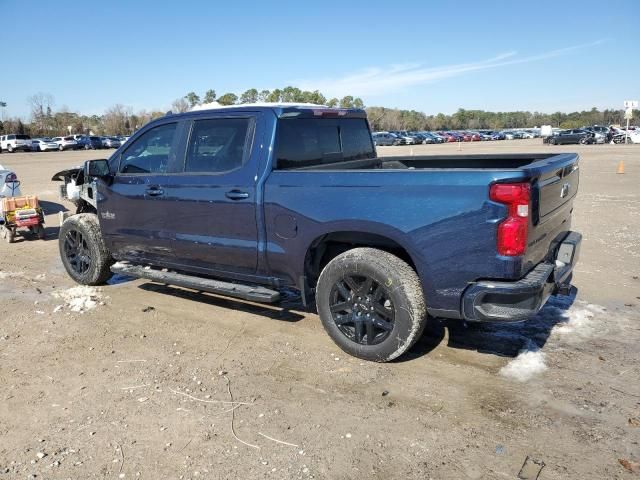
(245, 201)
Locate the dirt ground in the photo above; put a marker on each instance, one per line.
(137, 384)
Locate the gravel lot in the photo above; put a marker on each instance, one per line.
(134, 380)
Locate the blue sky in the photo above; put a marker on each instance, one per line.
(429, 56)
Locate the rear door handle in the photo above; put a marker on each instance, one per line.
(237, 195)
(154, 191)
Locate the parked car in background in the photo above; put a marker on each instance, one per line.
(89, 142)
(511, 134)
(9, 184)
(123, 139)
(406, 139)
(565, 137)
(633, 136)
(598, 136)
(448, 136)
(385, 139)
(43, 145)
(474, 136)
(436, 138)
(526, 134)
(65, 143)
(110, 142)
(15, 142)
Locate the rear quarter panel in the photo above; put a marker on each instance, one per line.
(443, 219)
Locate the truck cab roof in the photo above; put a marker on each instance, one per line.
(280, 109)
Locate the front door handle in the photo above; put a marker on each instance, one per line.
(154, 191)
(236, 195)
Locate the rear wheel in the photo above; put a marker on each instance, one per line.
(10, 148)
(39, 231)
(371, 304)
(82, 249)
(61, 148)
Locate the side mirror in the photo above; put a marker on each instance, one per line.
(97, 168)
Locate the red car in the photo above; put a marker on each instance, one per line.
(475, 136)
(447, 136)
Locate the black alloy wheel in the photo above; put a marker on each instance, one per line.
(77, 251)
(362, 309)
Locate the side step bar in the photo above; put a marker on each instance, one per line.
(245, 292)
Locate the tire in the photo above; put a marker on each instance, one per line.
(87, 147)
(371, 304)
(9, 234)
(82, 250)
(40, 232)
(10, 148)
(553, 141)
(61, 148)
(583, 141)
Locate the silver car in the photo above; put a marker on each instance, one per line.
(383, 139)
(111, 142)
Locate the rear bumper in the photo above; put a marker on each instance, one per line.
(498, 301)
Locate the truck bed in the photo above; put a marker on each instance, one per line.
(467, 162)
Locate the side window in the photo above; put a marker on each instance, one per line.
(217, 145)
(150, 152)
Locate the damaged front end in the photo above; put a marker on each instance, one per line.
(77, 188)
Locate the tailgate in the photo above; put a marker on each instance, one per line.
(554, 187)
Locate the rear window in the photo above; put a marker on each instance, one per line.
(68, 139)
(305, 142)
(23, 137)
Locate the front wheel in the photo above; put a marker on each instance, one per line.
(83, 251)
(371, 304)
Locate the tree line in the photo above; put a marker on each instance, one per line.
(393, 119)
(121, 120)
(253, 95)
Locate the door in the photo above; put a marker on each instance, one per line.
(132, 210)
(212, 215)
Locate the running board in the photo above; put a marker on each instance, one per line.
(245, 292)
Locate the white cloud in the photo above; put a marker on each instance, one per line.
(380, 80)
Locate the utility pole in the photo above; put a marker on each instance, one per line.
(629, 105)
(2, 105)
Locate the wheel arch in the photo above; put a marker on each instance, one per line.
(330, 244)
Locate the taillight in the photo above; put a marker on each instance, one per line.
(11, 178)
(512, 231)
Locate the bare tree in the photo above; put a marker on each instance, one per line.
(41, 106)
(115, 119)
(180, 105)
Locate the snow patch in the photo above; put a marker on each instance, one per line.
(81, 298)
(529, 363)
(578, 321)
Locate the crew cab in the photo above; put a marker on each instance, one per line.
(247, 200)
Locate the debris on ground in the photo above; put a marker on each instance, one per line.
(629, 466)
(531, 469)
(81, 298)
